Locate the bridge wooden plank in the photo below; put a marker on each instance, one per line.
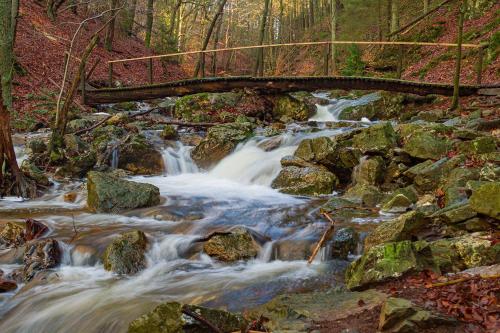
(269, 85)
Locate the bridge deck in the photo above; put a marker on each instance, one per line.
(270, 85)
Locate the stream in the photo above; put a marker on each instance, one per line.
(80, 296)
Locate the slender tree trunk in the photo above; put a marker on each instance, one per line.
(149, 23)
(216, 44)
(130, 17)
(426, 6)
(334, 16)
(110, 33)
(219, 12)
(173, 17)
(395, 15)
(455, 103)
(380, 20)
(259, 63)
(311, 13)
(7, 28)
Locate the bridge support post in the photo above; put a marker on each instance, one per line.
(111, 75)
(400, 62)
(480, 59)
(150, 70)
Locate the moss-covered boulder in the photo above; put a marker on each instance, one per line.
(78, 166)
(202, 107)
(140, 157)
(379, 138)
(78, 125)
(399, 315)
(367, 195)
(126, 254)
(486, 200)
(318, 150)
(169, 318)
(37, 146)
(309, 180)
(235, 245)
(428, 176)
(370, 171)
(482, 145)
(33, 172)
(287, 108)
(405, 227)
(169, 132)
(344, 209)
(386, 261)
(109, 194)
(425, 144)
(455, 213)
(220, 141)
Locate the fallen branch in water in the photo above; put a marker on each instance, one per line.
(85, 130)
(199, 318)
(326, 235)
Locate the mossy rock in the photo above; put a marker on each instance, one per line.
(482, 145)
(33, 172)
(202, 107)
(78, 125)
(344, 242)
(370, 171)
(12, 235)
(109, 194)
(364, 194)
(405, 227)
(140, 157)
(232, 246)
(169, 133)
(288, 108)
(37, 146)
(126, 254)
(311, 180)
(220, 141)
(379, 138)
(426, 145)
(486, 200)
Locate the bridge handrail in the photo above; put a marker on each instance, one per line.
(399, 43)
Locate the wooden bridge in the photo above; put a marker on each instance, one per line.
(272, 84)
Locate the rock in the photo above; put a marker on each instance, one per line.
(293, 249)
(138, 156)
(12, 235)
(169, 133)
(346, 209)
(387, 261)
(74, 145)
(287, 108)
(118, 119)
(309, 99)
(109, 194)
(221, 140)
(400, 315)
(344, 242)
(486, 200)
(318, 150)
(78, 125)
(379, 138)
(476, 224)
(482, 145)
(7, 285)
(78, 166)
(468, 251)
(430, 177)
(126, 254)
(311, 180)
(370, 171)
(397, 204)
(424, 144)
(404, 227)
(33, 172)
(367, 195)
(70, 197)
(41, 255)
(233, 246)
(455, 213)
(200, 107)
(169, 318)
(37, 146)
(274, 129)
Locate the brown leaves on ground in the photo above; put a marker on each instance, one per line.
(470, 299)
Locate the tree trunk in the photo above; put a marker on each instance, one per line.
(334, 16)
(110, 33)
(216, 43)
(7, 27)
(149, 23)
(201, 60)
(426, 6)
(395, 15)
(130, 17)
(259, 63)
(456, 82)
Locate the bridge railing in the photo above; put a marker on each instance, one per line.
(319, 66)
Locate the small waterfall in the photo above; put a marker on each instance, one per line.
(266, 253)
(331, 112)
(172, 247)
(178, 160)
(114, 157)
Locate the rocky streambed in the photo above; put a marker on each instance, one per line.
(146, 226)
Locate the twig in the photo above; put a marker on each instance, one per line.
(199, 318)
(187, 124)
(326, 235)
(144, 112)
(59, 87)
(85, 130)
(464, 279)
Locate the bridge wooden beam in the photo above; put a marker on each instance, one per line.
(269, 85)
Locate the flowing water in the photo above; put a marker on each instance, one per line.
(80, 296)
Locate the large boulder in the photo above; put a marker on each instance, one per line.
(39, 256)
(235, 245)
(482, 145)
(220, 141)
(201, 107)
(288, 108)
(428, 175)
(399, 315)
(138, 156)
(109, 194)
(363, 194)
(33, 172)
(309, 180)
(404, 227)
(126, 254)
(370, 171)
(14, 235)
(486, 199)
(171, 318)
(379, 138)
(454, 213)
(387, 261)
(425, 144)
